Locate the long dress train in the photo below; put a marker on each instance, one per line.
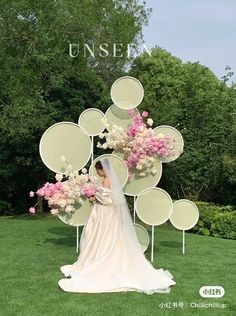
(106, 263)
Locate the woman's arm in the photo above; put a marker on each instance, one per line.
(106, 183)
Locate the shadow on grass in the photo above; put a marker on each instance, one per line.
(29, 216)
(172, 244)
(67, 236)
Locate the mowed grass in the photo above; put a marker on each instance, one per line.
(32, 249)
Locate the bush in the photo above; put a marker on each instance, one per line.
(216, 220)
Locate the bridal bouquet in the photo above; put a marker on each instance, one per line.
(63, 195)
(139, 144)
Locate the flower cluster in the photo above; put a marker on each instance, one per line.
(139, 143)
(62, 195)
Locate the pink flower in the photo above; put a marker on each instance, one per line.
(138, 119)
(131, 112)
(144, 114)
(31, 194)
(40, 192)
(89, 189)
(32, 210)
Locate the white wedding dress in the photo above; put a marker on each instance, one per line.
(106, 262)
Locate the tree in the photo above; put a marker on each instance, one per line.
(190, 95)
(40, 84)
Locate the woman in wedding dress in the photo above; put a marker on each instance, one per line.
(111, 258)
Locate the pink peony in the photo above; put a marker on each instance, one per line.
(32, 210)
(144, 114)
(131, 112)
(40, 192)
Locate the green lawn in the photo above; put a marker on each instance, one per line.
(32, 248)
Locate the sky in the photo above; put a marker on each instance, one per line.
(195, 30)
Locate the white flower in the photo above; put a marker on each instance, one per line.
(84, 170)
(63, 158)
(149, 121)
(101, 135)
(154, 170)
(69, 208)
(58, 177)
(141, 128)
(104, 146)
(142, 174)
(139, 167)
(54, 211)
(62, 203)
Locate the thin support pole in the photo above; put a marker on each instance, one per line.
(134, 209)
(183, 243)
(152, 242)
(77, 238)
(92, 147)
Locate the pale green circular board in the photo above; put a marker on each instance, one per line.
(80, 216)
(185, 214)
(136, 184)
(177, 144)
(118, 165)
(127, 92)
(93, 121)
(65, 139)
(154, 206)
(119, 117)
(142, 236)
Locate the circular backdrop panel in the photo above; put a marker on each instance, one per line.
(136, 184)
(65, 139)
(127, 92)
(177, 144)
(143, 236)
(79, 217)
(93, 121)
(117, 116)
(118, 165)
(185, 214)
(154, 206)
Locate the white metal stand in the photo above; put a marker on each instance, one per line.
(92, 148)
(134, 209)
(152, 242)
(77, 238)
(183, 242)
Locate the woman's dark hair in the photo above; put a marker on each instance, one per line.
(98, 165)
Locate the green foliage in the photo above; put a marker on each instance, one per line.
(40, 84)
(216, 220)
(191, 98)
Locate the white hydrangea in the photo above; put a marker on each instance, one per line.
(149, 121)
(58, 177)
(69, 209)
(101, 135)
(84, 170)
(154, 170)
